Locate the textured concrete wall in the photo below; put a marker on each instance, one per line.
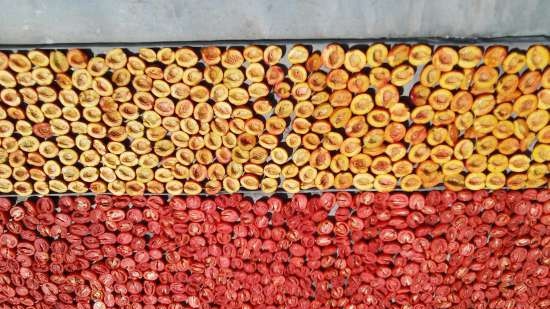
(80, 21)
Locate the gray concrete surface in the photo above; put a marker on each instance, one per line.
(104, 21)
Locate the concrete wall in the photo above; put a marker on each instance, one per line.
(103, 21)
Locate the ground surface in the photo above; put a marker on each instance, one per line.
(55, 21)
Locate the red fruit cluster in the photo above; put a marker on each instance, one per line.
(369, 250)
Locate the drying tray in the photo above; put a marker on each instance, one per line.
(512, 42)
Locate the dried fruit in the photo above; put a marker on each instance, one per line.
(164, 120)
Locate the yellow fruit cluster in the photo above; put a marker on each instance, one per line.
(188, 120)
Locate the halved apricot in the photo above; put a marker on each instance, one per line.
(20, 63)
(485, 76)
(378, 118)
(440, 99)
(358, 83)
(497, 163)
(441, 154)
(291, 185)
(298, 54)
(494, 56)
(411, 183)
(275, 125)
(398, 54)
(301, 156)
(282, 90)
(504, 129)
(538, 120)
(486, 145)
(544, 98)
(373, 139)
(274, 74)
(437, 135)
(485, 124)
(337, 79)
(517, 181)
(376, 55)
(477, 163)
(508, 146)
(416, 134)
(301, 91)
(541, 153)
(430, 75)
(284, 109)
(521, 129)
(519, 163)
(514, 62)
(333, 56)
(443, 118)
(420, 54)
(317, 81)
(483, 105)
(314, 62)
(537, 57)
(211, 55)
(40, 59)
(385, 183)
(454, 182)
(543, 136)
(452, 167)
(356, 126)
(507, 83)
(462, 102)
(363, 181)
(332, 141)
(272, 54)
(399, 112)
(381, 165)
(323, 111)
(360, 163)
(355, 60)
(469, 56)
(340, 98)
(304, 109)
(4, 61)
(379, 76)
(422, 114)
(451, 80)
(394, 132)
(464, 149)
(419, 94)
(525, 105)
(351, 146)
(529, 82)
(396, 151)
(297, 73)
(445, 58)
(340, 117)
(402, 168)
(186, 57)
(475, 181)
(537, 170)
(418, 153)
(252, 54)
(387, 96)
(301, 125)
(402, 75)
(232, 58)
(464, 121)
